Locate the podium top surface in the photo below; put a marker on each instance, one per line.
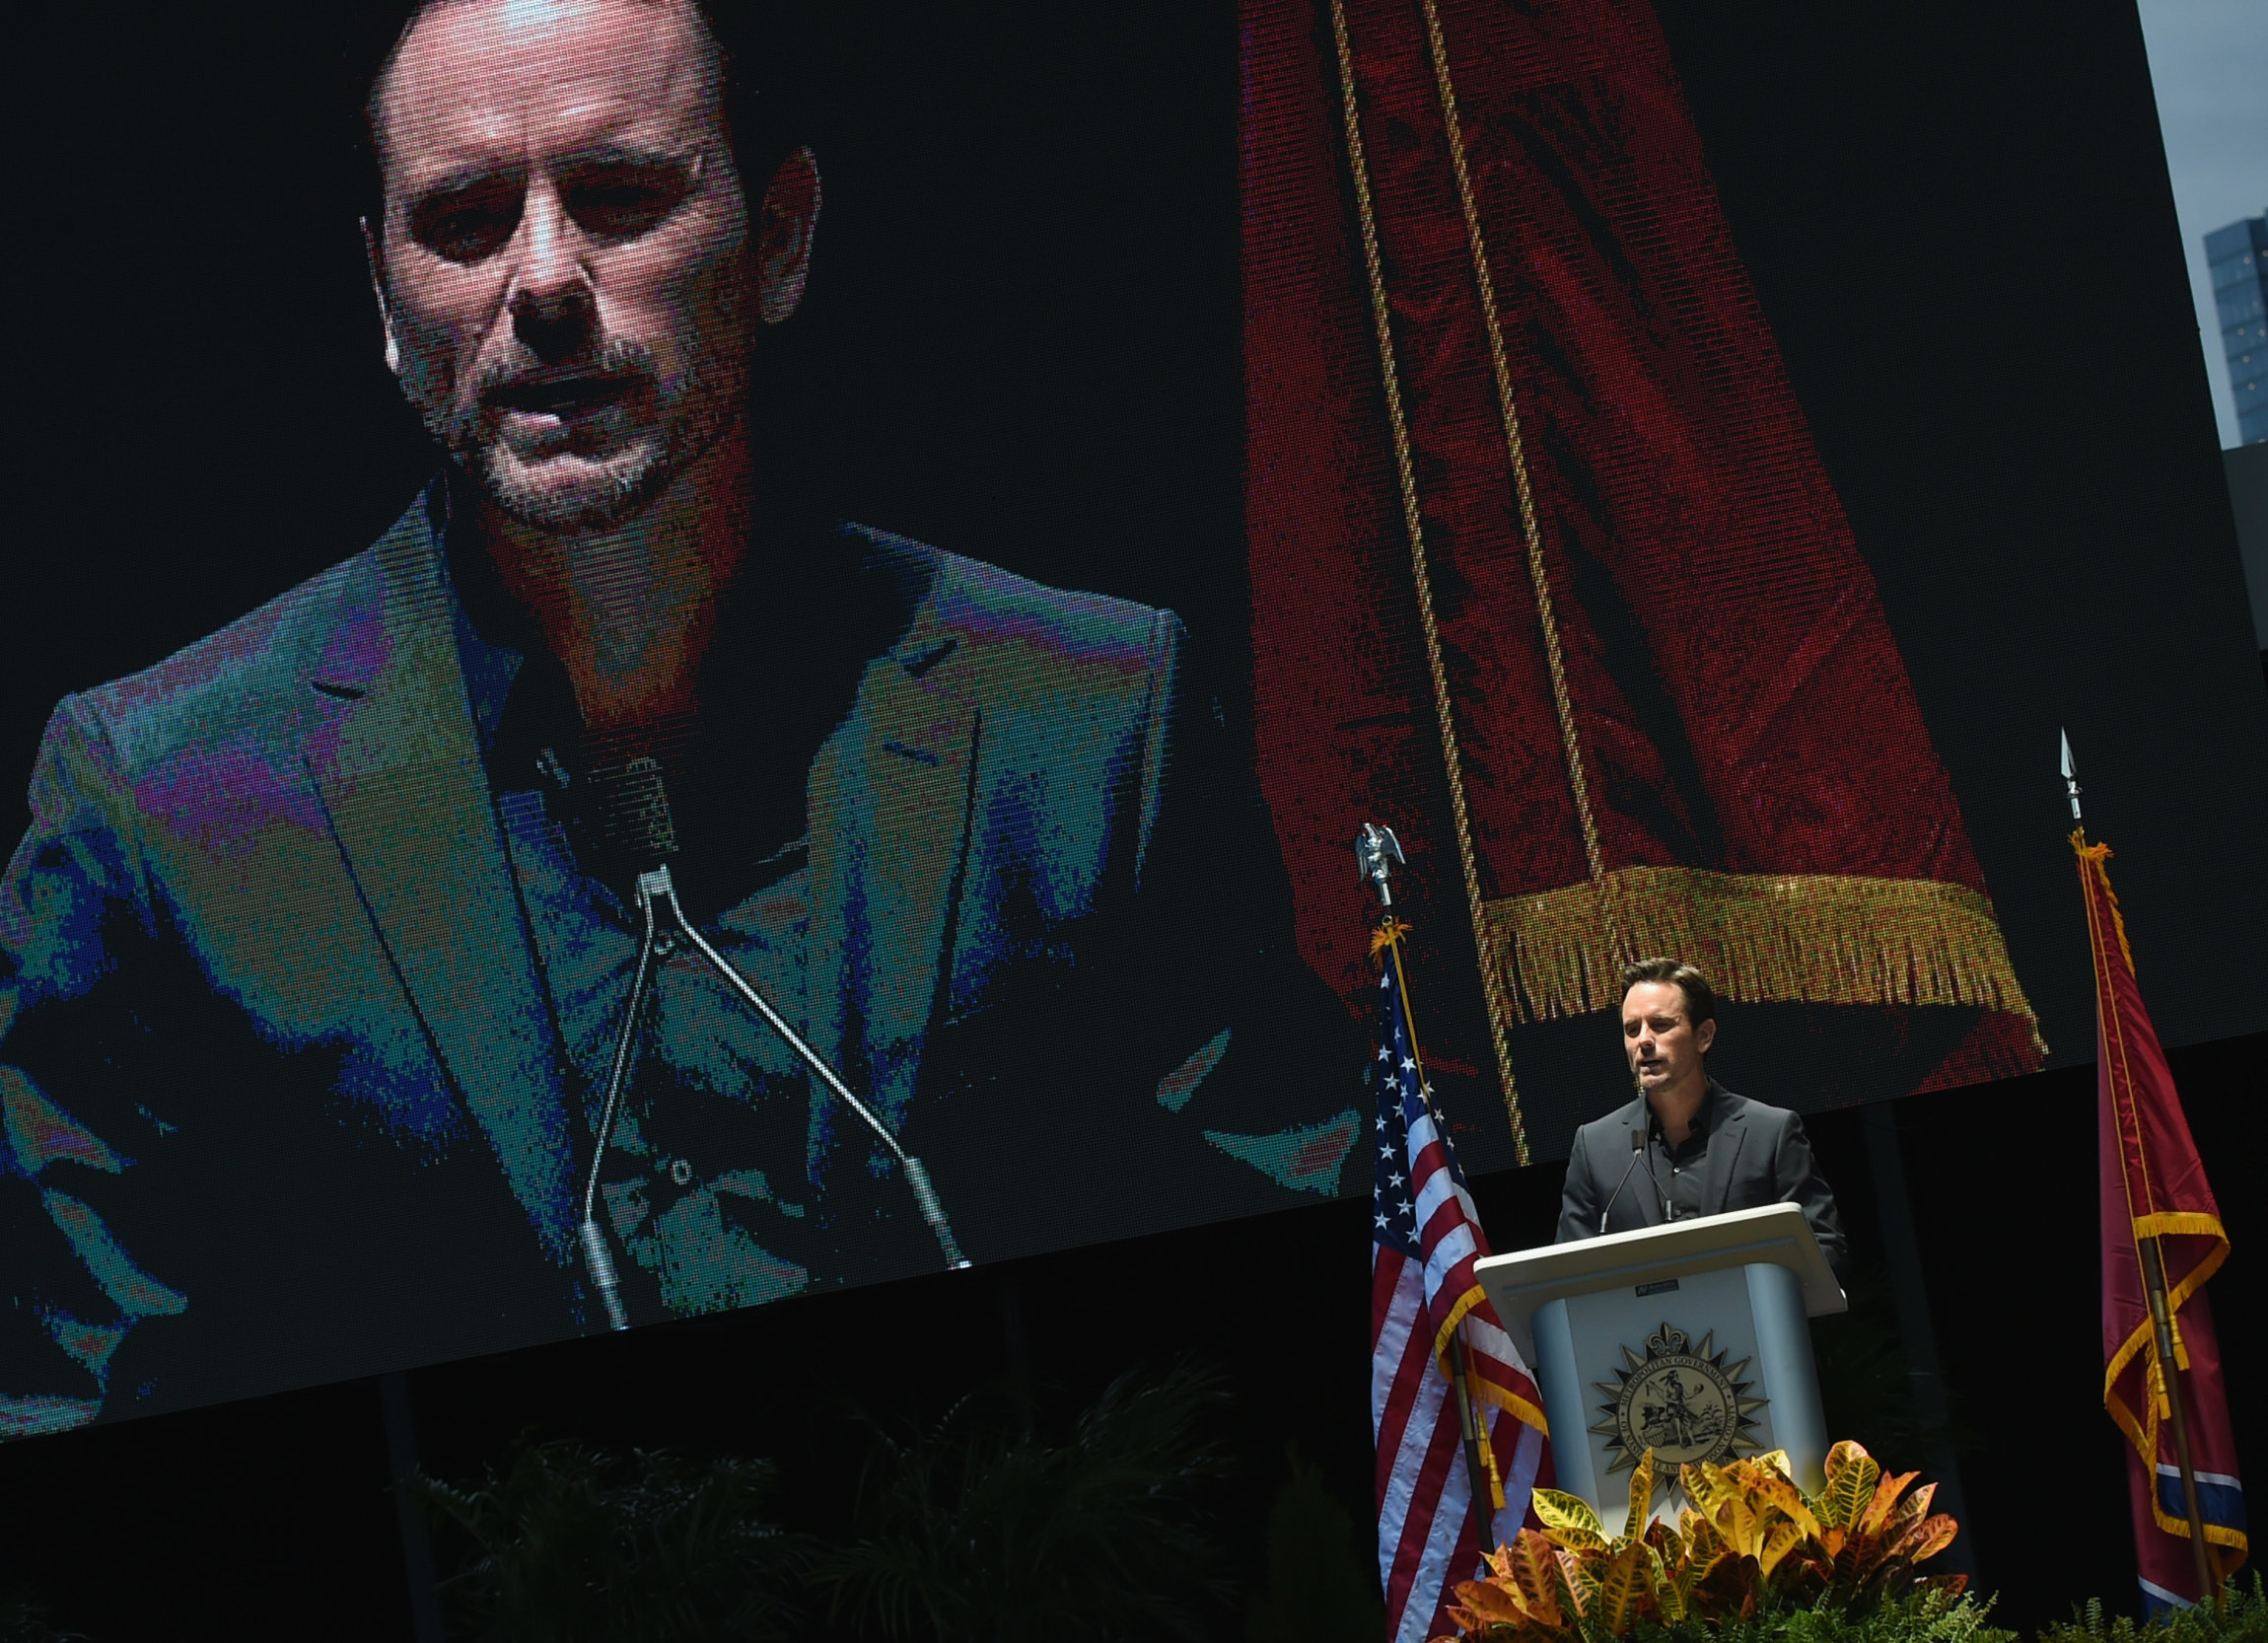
(1775, 1233)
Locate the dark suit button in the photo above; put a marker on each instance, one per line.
(681, 1172)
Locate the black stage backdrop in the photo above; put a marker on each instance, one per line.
(1962, 230)
(269, 1519)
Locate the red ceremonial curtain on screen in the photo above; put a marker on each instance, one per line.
(1542, 554)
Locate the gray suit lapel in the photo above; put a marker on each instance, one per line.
(401, 779)
(1613, 1173)
(1724, 1151)
(889, 806)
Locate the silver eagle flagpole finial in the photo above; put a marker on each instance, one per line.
(1377, 854)
(2070, 774)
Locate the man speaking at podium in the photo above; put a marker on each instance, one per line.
(1688, 1146)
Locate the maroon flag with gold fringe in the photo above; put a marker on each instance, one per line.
(2160, 1231)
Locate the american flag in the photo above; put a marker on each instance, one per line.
(1424, 1236)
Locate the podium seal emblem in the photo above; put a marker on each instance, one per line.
(1683, 1401)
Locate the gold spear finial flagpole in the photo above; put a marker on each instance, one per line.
(2148, 1255)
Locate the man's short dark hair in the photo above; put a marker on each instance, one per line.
(1700, 997)
(756, 124)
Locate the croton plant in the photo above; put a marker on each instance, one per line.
(1746, 1537)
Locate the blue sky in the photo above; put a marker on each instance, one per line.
(2209, 66)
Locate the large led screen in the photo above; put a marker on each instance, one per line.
(571, 551)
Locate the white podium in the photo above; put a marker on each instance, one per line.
(1690, 1338)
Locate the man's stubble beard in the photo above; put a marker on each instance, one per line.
(613, 490)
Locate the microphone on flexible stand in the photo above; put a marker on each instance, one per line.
(635, 818)
(1637, 1152)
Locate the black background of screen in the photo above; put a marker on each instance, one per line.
(1021, 343)
(1963, 236)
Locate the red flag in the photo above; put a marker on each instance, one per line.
(2154, 1192)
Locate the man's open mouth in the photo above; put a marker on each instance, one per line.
(565, 398)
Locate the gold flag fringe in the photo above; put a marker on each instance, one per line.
(1808, 938)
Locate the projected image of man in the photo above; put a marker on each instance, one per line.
(316, 951)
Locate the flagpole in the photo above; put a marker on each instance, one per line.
(1376, 851)
(2169, 1369)
(2152, 1262)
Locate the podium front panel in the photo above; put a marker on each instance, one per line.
(1689, 1366)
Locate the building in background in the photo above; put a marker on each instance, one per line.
(2238, 257)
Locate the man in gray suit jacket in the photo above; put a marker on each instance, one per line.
(312, 958)
(1703, 1149)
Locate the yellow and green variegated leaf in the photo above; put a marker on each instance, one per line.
(1887, 1488)
(1831, 1539)
(1706, 1487)
(1785, 1499)
(1536, 1573)
(1669, 1595)
(1850, 1489)
(1568, 1521)
(1844, 1453)
(1733, 1473)
(1773, 1460)
(1782, 1538)
(1499, 1562)
(1580, 1581)
(1625, 1586)
(1741, 1525)
(1582, 1542)
(1640, 1500)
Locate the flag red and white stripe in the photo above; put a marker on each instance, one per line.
(1425, 1305)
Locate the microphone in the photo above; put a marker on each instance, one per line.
(634, 820)
(1637, 1152)
(634, 810)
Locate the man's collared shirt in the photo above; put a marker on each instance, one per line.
(703, 1180)
(1677, 1171)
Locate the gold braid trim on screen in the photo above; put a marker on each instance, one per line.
(1759, 938)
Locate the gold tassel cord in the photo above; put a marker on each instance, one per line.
(1480, 1431)
(1412, 521)
(1515, 455)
